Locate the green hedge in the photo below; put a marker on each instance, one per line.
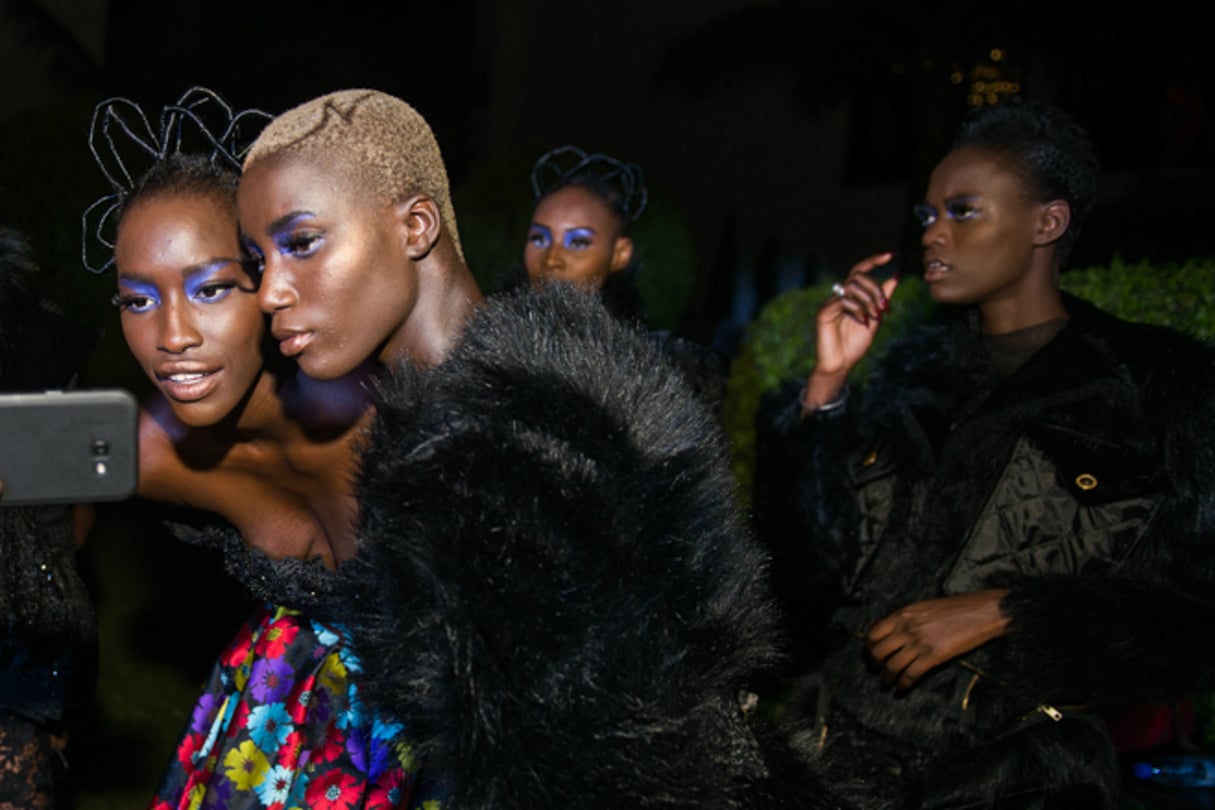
(780, 342)
(1178, 295)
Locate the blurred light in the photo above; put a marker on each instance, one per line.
(996, 54)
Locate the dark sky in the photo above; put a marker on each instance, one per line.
(787, 134)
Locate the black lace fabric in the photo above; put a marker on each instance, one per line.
(305, 585)
(26, 762)
(46, 631)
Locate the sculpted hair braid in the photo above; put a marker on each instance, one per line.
(1050, 151)
(196, 147)
(620, 185)
(386, 142)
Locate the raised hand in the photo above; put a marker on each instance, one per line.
(845, 326)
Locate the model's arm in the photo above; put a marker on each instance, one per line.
(267, 516)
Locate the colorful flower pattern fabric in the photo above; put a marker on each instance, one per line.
(280, 726)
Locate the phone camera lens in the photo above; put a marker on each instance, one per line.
(101, 447)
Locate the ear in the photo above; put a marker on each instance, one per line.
(420, 224)
(1053, 220)
(622, 253)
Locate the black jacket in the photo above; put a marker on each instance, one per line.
(554, 587)
(1079, 482)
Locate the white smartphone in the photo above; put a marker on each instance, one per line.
(68, 446)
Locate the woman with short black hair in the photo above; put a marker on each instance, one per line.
(1014, 502)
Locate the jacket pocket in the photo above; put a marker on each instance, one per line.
(1064, 504)
(1096, 470)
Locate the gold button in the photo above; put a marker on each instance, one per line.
(869, 460)
(1086, 481)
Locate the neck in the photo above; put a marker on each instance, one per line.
(447, 295)
(260, 415)
(1036, 299)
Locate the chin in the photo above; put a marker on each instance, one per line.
(942, 294)
(200, 414)
(324, 367)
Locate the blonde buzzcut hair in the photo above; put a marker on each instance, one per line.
(384, 140)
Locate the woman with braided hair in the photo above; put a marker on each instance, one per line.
(579, 231)
(579, 234)
(1015, 509)
(236, 431)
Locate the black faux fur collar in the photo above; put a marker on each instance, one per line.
(555, 589)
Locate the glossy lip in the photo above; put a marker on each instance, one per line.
(292, 343)
(935, 269)
(193, 383)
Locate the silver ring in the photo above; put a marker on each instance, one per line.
(838, 290)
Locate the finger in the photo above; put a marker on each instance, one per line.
(858, 311)
(879, 269)
(864, 290)
(888, 647)
(881, 629)
(869, 262)
(894, 666)
(912, 673)
(879, 291)
(888, 287)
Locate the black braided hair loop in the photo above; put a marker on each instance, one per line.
(620, 184)
(200, 122)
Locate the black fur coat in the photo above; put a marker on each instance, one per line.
(555, 590)
(1081, 482)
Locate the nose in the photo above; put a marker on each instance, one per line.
(554, 257)
(935, 234)
(178, 331)
(275, 291)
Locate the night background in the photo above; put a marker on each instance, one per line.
(781, 141)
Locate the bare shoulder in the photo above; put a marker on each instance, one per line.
(160, 466)
(178, 464)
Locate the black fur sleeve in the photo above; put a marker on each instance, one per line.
(804, 512)
(555, 589)
(1088, 640)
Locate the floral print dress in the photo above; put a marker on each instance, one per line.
(280, 724)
